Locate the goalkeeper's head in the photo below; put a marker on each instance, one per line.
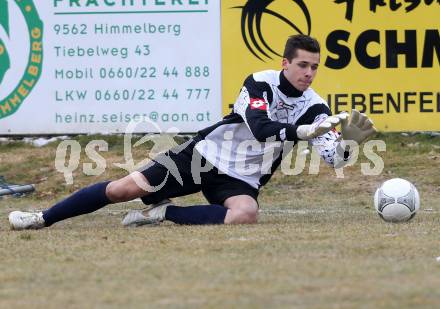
(301, 60)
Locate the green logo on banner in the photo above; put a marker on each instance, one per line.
(32, 72)
(4, 56)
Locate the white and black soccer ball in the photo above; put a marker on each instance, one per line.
(397, 200)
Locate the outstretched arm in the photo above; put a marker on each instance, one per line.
(253, 106)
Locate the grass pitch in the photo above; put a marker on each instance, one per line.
(318, 243)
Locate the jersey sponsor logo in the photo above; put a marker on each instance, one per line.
(258, 104)
(282, 104)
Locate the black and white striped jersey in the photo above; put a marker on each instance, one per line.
(248, 143)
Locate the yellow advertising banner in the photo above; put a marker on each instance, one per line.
(381, 57)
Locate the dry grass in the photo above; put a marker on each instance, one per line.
(319, 244)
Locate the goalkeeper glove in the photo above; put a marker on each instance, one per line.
(309, 131)
(358, 129)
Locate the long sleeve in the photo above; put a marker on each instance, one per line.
(253, 106)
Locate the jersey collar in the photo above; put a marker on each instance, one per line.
(287, 88)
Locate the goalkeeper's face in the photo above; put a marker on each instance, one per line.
(301, 70)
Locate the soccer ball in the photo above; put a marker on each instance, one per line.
(396, 200)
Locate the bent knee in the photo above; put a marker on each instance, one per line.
(113, 192)
(243, 215)
(118, 193)
(127, 188)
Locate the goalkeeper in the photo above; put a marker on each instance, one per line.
(272, 108)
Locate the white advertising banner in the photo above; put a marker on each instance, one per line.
(92, 66)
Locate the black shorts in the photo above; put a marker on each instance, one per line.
(171, 174)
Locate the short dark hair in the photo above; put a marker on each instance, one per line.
(300, 41)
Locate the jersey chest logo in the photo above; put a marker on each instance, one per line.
(282, 105)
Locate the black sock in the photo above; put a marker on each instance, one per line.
(81, 202)
(204, 214)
